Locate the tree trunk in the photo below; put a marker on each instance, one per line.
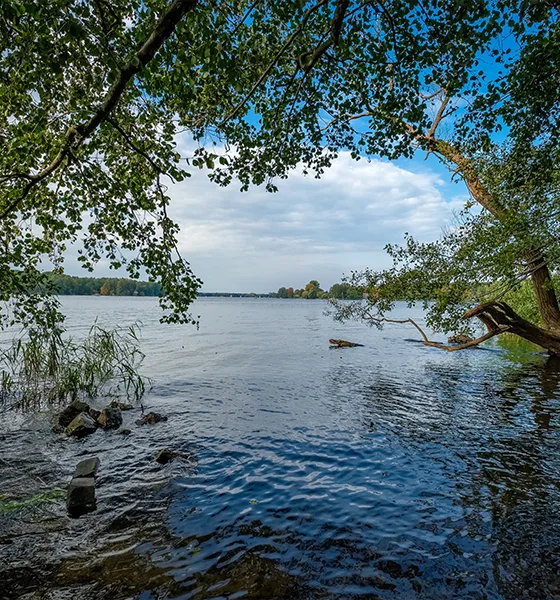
(547, 302)
(499, 317)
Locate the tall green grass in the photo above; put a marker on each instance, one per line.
(46, 368)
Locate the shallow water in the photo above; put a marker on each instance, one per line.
(383, 472)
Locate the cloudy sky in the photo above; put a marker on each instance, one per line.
(310, 229)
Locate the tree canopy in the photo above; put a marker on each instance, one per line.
(93, 97)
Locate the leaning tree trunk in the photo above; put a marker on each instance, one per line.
(498, 316)
(547, 302)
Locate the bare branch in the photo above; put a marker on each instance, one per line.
(245, 17)
(430, 96)
(439, 115)
(346, 119)
(493, 331)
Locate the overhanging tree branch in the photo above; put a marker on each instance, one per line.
(76, 134)
(274, 61)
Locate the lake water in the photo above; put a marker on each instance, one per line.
(392, 471)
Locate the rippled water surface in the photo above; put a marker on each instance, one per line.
(392, 471)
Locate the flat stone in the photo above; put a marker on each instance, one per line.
(124, 431)
(81, 426)
(87, 467)
(110, 418)
(80, 497)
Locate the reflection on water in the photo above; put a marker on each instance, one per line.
(389, 471)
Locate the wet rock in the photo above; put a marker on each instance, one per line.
(81, 426)
(94, 414)
(58, 429)
(121, 405)
(166, 455)
(459, 339)
(87, 467)
(110, 418)
(80, 497)
(67, 415)
(151, 419)
(124, 431)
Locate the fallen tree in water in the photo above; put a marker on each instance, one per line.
(493, 267)
(498, 318)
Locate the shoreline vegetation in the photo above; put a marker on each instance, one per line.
(522, 298)
(68, 285)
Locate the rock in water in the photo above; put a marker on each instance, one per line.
(94, 414)
(67, 415)
(124, 431)
(81, 426)
(121, 405)
(164, 456)
(110, 418)
(151, 419)
(80, 498)
(87, 467)
(343, 344)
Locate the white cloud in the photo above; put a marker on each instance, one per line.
(256, 241)
(310, 229)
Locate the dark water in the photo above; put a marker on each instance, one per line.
(392, 471)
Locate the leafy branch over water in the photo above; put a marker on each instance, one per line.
(47, 368)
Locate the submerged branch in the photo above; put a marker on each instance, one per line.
(498, 318)
(449, 347)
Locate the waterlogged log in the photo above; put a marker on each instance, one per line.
(343, 344)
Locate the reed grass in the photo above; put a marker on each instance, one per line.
(46, 368)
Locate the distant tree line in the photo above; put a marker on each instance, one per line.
(231, 295)
(67, 285)
(340, 291)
